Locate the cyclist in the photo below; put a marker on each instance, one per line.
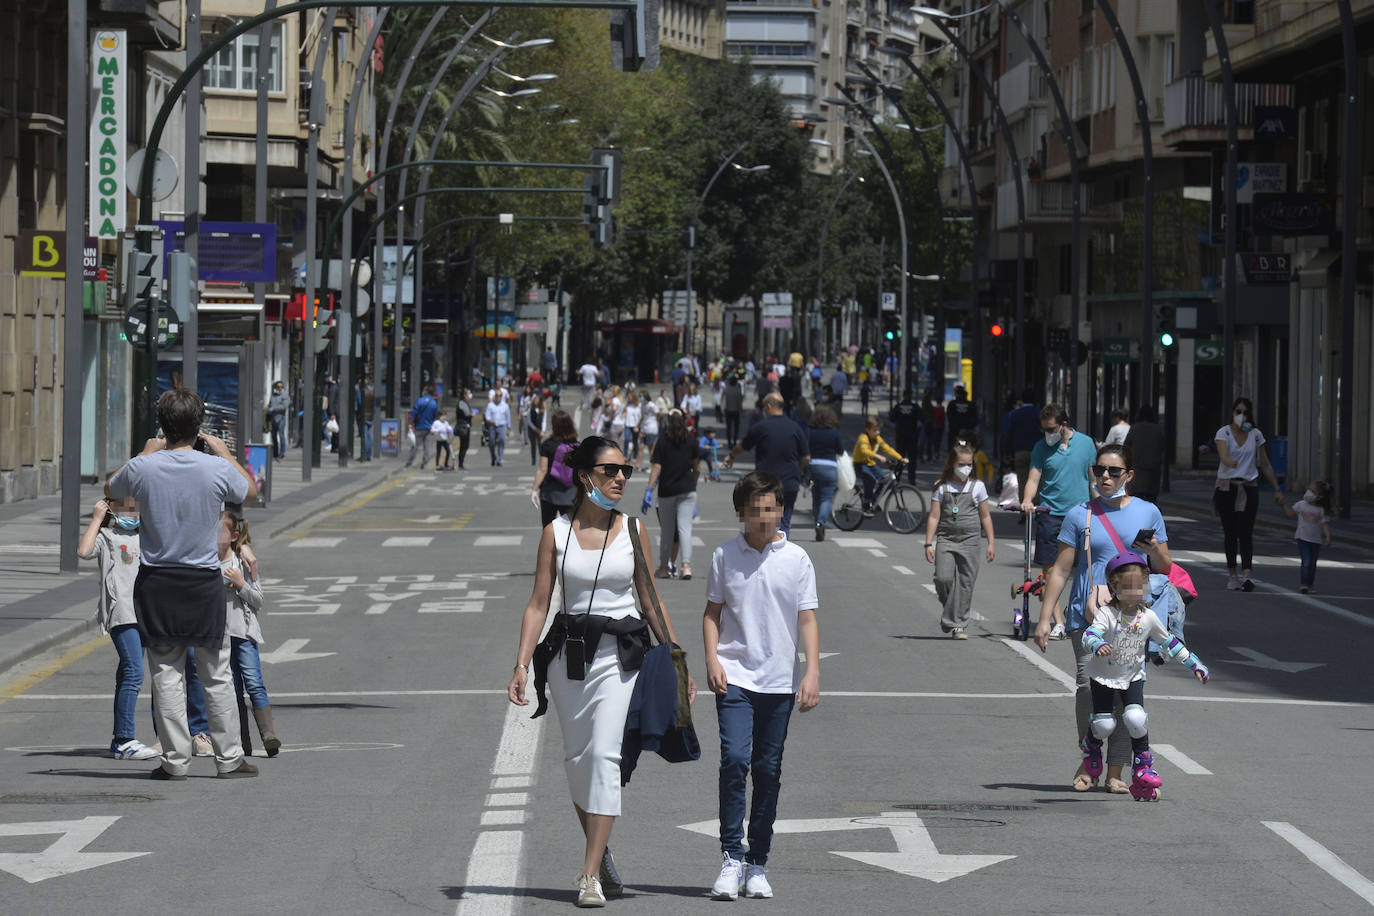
(870, 452)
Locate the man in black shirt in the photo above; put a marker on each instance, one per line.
(780, 447)
(960, 415)
(906, 417)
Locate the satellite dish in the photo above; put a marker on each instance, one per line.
(165, 173)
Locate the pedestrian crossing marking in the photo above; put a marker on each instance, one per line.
(498, 540)
(407, 541)
(857, 542)
(316, 542)
(903, 570)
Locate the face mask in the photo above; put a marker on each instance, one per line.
(1239, 420)
(1308, 496)
(1052, 439)
(963, 471)
(601, 499)
(127, 522)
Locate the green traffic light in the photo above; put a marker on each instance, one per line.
(1166, 339)
(888, 335)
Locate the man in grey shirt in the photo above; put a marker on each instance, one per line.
(277, 408)
(181, 484)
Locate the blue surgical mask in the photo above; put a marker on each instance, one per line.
(127, 522)
(601, 499)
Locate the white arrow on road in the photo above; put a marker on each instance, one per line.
(290, 651)
(916, 854)
(427, 520)
(64, 856)
(1260, 660)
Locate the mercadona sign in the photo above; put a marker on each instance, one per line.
(109, 62)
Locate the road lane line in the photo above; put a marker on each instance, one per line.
(1181, 760)
(1043, 664)
(27, 682)
(398, 541)
(491, 885)
(903, 570)
(1325, 859)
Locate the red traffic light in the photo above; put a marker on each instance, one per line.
(997, 330)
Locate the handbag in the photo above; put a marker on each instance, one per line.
(660, 629)
(844, 473)
(1178, 576)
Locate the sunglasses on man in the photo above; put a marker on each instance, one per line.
(1100, 469)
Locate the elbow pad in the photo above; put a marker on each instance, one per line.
(1093, 640)
(1175, 648)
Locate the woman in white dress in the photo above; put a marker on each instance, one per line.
(586, 569)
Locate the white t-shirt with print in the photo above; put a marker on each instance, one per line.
(1128, 639)
(762, 594)
(1310, 520)
(1241, 453)
(973, 486)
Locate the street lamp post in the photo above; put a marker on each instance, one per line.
(1147, 267)
(1068, 132)
(932, 92)
(851, 101)
(940, 17)
(689, 333)
(825, 229)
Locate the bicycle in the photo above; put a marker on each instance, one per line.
(904, 506)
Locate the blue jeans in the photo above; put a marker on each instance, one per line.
(128, 679)
(824, 479)
(497, 444)
(1308, 551)
(789, 502)
(279, 436)
(246, 666)
(753, 729)
(367, 440)
(869, 475)
(196, 719)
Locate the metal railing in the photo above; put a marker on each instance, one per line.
(1195, 102)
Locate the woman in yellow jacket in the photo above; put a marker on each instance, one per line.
(870, 452)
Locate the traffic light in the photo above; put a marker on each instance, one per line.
(1165, 324)
(892, 326)
(634, 37)
(998, 328)
(142, 281)
(182, 290)
(601, 190)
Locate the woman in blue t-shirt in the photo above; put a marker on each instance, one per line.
(826, 445)
(1098, 530)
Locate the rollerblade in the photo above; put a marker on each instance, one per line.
(1092, 756)
(1146, 782)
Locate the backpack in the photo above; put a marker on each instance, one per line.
(558, 468)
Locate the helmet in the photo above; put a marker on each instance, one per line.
(1126, 558)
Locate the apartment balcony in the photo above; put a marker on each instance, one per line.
(854, 13)
(980, 137)
(1020, 87)
(1195, 111)
(799, 51)
(1051, 202)
(743, 5)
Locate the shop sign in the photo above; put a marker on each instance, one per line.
(108, 129)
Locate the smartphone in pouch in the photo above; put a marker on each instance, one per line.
(575, 651)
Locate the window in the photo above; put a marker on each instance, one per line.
(236, 65)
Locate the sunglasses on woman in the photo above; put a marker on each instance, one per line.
(610, 470)
(1100, 469)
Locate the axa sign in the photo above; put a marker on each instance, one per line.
(108, 129)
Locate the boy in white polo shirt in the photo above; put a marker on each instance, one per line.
(760, 606)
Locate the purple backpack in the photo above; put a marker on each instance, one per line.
(558, 468)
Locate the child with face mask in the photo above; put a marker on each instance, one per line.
(112, 538)
(1117, 638)
(958, 511)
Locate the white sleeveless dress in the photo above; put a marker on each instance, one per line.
(591, 713)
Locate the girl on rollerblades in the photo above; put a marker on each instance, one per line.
(1117, 639)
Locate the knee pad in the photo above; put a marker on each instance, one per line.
(1137, 721)
(1102, 725)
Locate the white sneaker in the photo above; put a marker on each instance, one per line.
(589, 892)
(1233, 584)
(133, 749)
(730, 879)
(756, 882)
(1057, 631)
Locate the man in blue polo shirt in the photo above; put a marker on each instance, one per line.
(1059, 476)
(421, 420)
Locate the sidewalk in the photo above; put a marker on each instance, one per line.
(41, 607)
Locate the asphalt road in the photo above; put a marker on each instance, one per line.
(932, 778)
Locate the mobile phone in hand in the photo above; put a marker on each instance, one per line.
(1144, 535)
